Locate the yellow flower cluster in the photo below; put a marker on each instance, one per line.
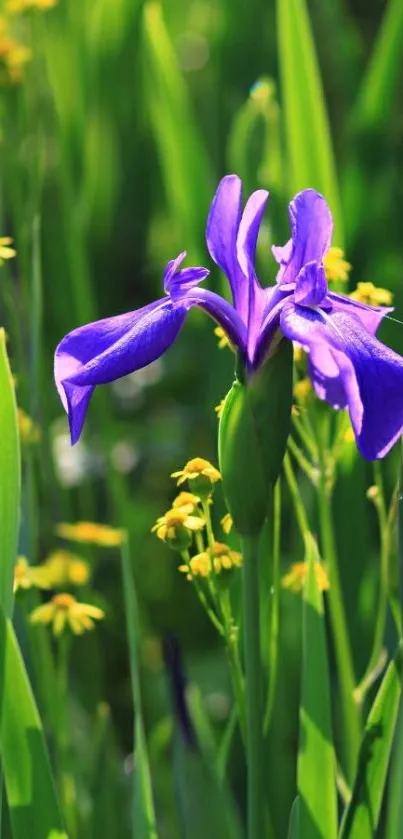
(27, 576)
(13, 58)
(222, 558)
(5, 241)
(303, 390)
(336, 267)
(61, 568)
(371, 295)
(30, 432)
(295, 579)
(197, 468)
(223, 340)
(91, 533)
(176, 525)
(64, 610)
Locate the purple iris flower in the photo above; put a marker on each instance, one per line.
(348, 366)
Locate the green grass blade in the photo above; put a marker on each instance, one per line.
(31, 796)
(144, 824)
(186, 172)
(316, 758)
(293, 827)
(395, 803)
(309, 146)
(10, 480)
(362, 815)
(385, 67)
(205, 803)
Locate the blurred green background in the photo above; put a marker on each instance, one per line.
(113, 136)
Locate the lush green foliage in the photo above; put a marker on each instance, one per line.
(114, 130)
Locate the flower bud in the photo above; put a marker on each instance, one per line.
(253, 432)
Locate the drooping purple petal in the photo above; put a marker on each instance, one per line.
(221, 311)
(311, 285)
(221, 236)
(311, 233)
(370, 316)
(369, 373)
(108, 349)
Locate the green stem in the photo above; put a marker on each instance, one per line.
(302, 461)
(223, 606)
(376, 657)
(299, 508)
(253, 687)
(274, 620)
(350, 711)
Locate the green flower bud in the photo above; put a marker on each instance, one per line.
(253, 432)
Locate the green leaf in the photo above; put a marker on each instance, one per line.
(385, 67)
(309, 146)
(316, 758)
(9, 480)
(32, 803)
(144, 823)
(362, 815)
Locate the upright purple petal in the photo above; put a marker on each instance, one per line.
(246, 252)
(311, 233)
(108, 349)
(369, 374)
(221, 237)
(311, 285)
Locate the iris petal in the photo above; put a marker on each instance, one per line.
(311, 233)
(221, 235)
(108, 349)
(311, 285)
(370, 375)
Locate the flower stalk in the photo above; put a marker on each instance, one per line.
(253, 687)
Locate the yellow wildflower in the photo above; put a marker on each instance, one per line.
(348, 436)
(201, 565)
(303, 389)
(17, 7)
(295, 579)
(371, 295)
(13, 57)
(30, 433)
(299, 352)
(186, 501)
(5, 251)
(28, 576)
(336, 267)
(63, 610)
(91, 533)
(219, 408)
(176, 527)
(223, 340)
(226, 523)
(64, 568)
(225, 557)
(201, 474)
